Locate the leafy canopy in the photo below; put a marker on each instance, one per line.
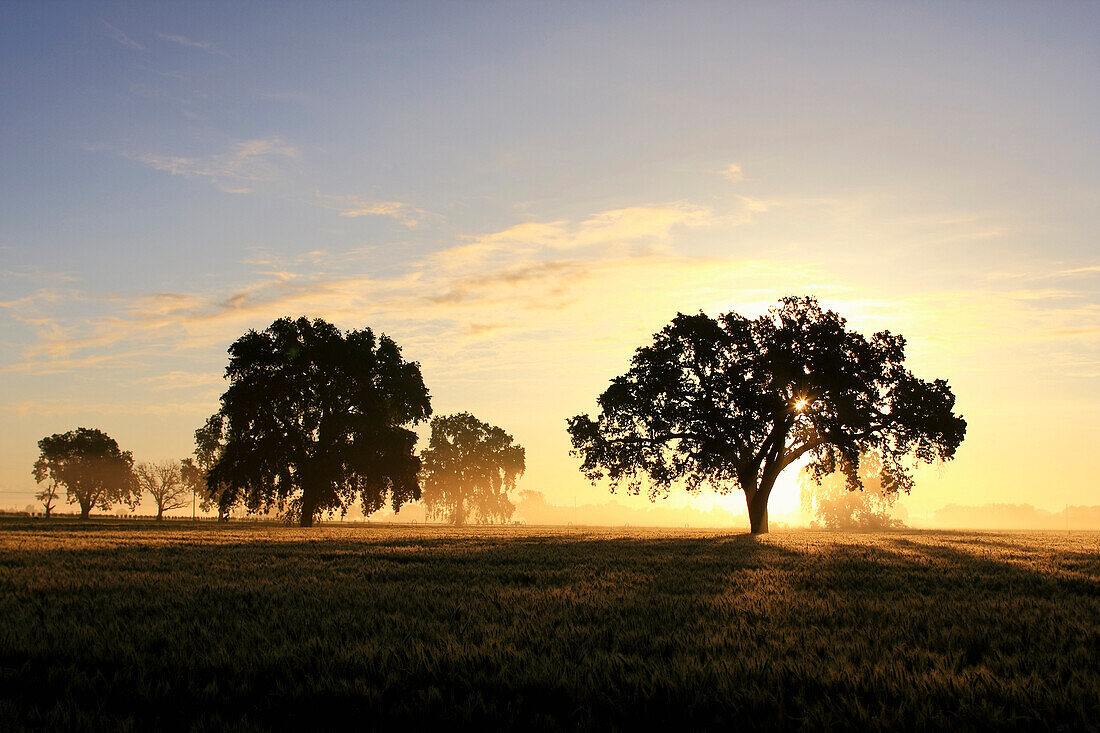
(468, 470)
(314, 419)
(96, 474)
(729, 402)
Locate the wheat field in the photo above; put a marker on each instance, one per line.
(197, 626)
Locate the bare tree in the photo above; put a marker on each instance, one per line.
(165, 483)
(48, 496)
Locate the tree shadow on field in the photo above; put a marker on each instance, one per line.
(545, 631)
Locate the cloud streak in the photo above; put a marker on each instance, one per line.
(186, 42)
(236, 170)
(116, 35)
(354, 207)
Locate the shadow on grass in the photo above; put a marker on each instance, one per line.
(541, 630)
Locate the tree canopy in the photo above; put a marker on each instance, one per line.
(314, 419)
(468, 470)
(729, 402)
(96, 474)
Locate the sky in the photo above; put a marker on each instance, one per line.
(521, 194)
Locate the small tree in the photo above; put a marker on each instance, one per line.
(47, 495)
(89, 464)
(835, 505)
(468, 470)
(314, 419)
(196, 472)
(730, 402)
(164, 482)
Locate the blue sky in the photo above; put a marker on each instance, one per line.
(521, 193)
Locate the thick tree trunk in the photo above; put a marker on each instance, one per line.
(758, 506)
(758, 517)
(85, 510)
(459, 518)
(309, 500)
(160, 514)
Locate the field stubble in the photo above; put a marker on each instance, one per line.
(250, 626)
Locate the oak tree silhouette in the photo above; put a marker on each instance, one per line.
(468, 470)
(89, 464)
(314, 419)
(729, 402)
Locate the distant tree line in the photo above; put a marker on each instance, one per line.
(316, 420)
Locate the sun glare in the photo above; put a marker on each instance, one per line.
(800, 404)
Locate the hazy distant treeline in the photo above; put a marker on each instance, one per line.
(1015, 516)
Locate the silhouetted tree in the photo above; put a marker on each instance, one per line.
(729, 402)
(315, 418)
(834, 504)
(89, 464)
(164, 482)
(47, 495)
(468, 470)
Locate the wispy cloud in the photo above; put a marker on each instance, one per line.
(542, 293)
(116, 35)
(55, 407)
(181, 380)
(354, 207)
(1086, 270)
(234, 171)
(733, 172)
(189, 43)
(624, 228)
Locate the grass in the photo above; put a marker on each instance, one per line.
(125, 625)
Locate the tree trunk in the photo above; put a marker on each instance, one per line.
(85, 510)
(459, 518)
(758, 517)
(160, 513)
(758, 507)
(309, 506)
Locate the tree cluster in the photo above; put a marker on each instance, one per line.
(96, 474)
(316, 420)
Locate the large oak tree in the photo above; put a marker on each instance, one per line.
(314, 419)
(469, 468)
(729, 402)
(96, 474)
